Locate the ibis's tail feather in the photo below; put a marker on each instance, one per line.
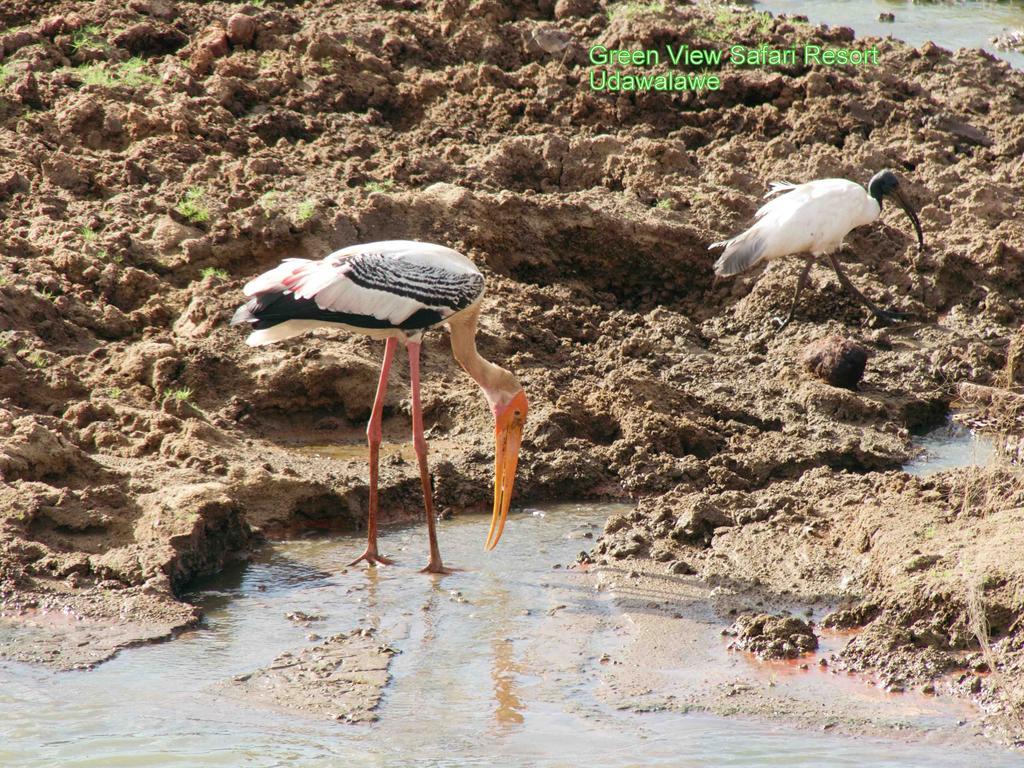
(741, 253)
(778, 187)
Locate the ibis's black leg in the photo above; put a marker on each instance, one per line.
(783, 322)
(882, 314)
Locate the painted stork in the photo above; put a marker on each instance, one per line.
(813, 219)
(396, 290)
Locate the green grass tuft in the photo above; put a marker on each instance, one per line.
(88, 37)
(132, 73)
(182, 395)
(115, 393)
(88, 234)
(379, 186)
(304, 211)
(193, 206)
(268, 202)
(214, 272)
(37, 359)
(129, 73)
(633, 8)
(96, 74)
(664, 205)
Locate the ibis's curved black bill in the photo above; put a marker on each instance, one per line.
(906, 206)
(886, 183)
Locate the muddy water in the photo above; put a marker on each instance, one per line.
(949, 446)
(498, 664)
(969, 24)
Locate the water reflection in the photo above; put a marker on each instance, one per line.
(490, 670)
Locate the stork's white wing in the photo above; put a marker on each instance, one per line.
(390, 280)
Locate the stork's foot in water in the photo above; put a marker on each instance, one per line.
(440, 569)
(372, 558)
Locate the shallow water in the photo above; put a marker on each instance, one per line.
(499, 664)
(950, 446)
(966, 24)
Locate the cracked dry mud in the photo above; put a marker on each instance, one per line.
(142, 444)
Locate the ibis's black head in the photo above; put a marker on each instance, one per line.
(887, 183)
(883, 183)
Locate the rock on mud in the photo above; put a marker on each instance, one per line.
(837, 361)
(341, 678)
(773, 637)
(241, 29)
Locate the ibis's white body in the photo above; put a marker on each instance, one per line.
(807, 218)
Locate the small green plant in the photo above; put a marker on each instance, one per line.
(47, 294)
(267, 61)
(257, 3)
(132, 73)
(96, 74)
(193, 206)
(764, 23)
(88, 234)
(115, 393)
(182, 395)
(37, 360)
(4, 280)
(88, 37)
(268, 202)
(664, 205)
(214, 272)
(722, 27)
(634, 8)
(5, 339)
(304, 211)
(129, 73)
(379, 186)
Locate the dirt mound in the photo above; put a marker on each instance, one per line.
(158, 154)
(772, 637)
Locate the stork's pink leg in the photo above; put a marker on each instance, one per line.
(420, 443)
(374, 436)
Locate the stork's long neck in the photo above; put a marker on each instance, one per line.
(499, 385)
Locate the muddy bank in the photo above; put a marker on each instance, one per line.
(159, 154)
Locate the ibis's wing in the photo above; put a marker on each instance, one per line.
(785, 196)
